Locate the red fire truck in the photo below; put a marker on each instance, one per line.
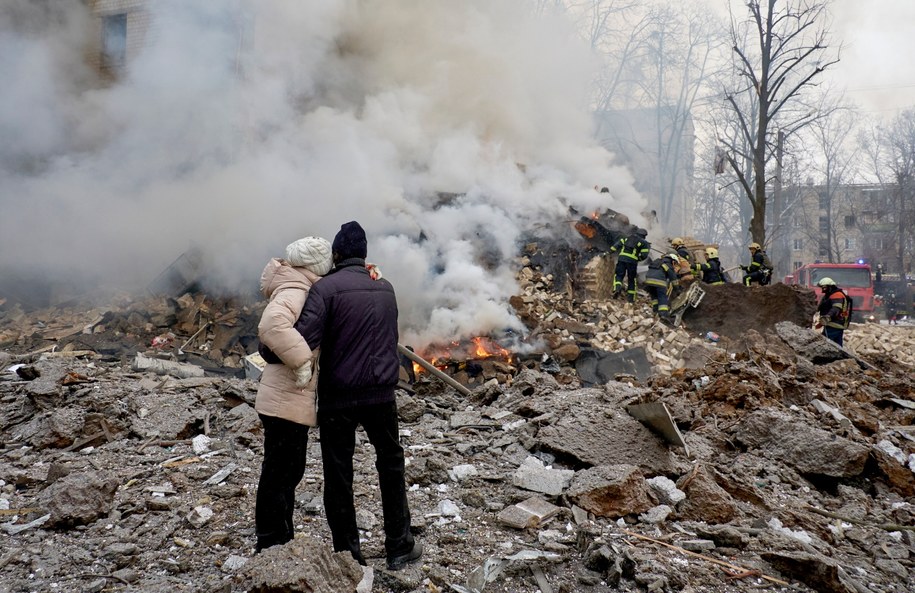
(855, 279)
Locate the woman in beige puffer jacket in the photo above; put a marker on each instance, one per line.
(286, 394)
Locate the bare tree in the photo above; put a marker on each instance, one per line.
(777, 52)
(831, 155)
(891, 154)
(658, 60)
(682, 47)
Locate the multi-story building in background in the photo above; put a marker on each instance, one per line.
(843, 224)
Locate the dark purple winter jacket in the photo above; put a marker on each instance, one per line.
(353, 319)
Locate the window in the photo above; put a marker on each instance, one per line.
(824, 201)
(851, 244)
(114, 41)
(798, 244)
(798, 264)
(877, 243)
(850, 222)
(824, 224)
(823, 251)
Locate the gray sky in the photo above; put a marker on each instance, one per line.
(879, 44)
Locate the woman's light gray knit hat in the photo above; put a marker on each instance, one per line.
(311, 253)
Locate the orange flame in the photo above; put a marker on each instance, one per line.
(586, 230)
(478, 348)
(486, 348)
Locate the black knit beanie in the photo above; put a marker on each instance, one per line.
(350, 241)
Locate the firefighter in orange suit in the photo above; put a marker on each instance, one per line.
(835, 310)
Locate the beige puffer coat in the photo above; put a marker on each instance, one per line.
(277, 394)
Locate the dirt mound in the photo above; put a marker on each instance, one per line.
(731, 309)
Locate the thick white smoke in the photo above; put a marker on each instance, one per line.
(445, 128)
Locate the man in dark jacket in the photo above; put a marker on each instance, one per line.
(632, 250)
(353, 319)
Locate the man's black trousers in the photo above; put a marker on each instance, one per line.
(338, 442)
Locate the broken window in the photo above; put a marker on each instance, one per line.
(114, 41)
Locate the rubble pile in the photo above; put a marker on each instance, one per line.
(767, 460)
(566, 324)
(882, 341)
(213, 333)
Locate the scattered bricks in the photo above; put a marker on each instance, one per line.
(532, 512)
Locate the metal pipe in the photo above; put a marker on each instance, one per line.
(431, 368)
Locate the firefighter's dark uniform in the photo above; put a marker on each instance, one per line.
(659, 281)
(756, 271)
(684, 253)
(835, 313)
(711, 271)
(632, 250)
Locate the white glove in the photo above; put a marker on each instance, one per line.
(303, 375)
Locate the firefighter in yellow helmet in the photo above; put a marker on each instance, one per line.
(659, 282)
(711, 269)
(835, 308)
(679, 246)
(759, 269)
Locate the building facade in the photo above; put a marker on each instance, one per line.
(119, 29)
(843, 224)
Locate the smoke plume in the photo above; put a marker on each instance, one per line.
(447, 129)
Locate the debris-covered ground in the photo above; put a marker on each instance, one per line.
(800, 472)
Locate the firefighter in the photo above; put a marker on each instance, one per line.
(759, 269)
(659, 282)
(687, 268)
(632, 250)
(835, 310)
(711, 269)
(891, 307)
(679, 246)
